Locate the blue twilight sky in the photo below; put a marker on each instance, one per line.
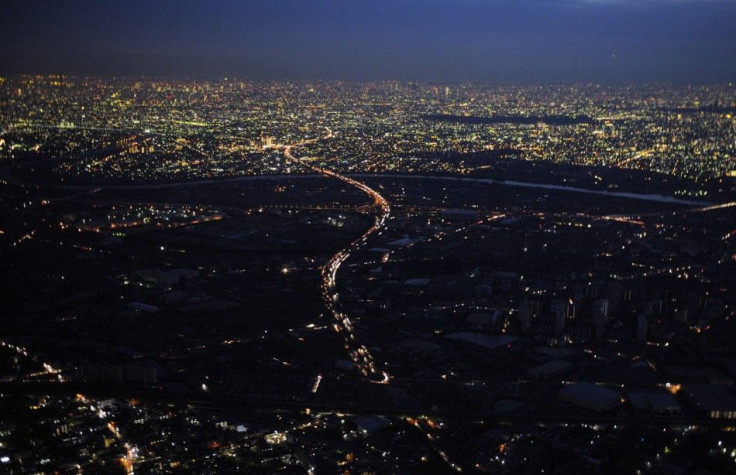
(614, 41)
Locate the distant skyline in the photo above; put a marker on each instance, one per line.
(608, 41)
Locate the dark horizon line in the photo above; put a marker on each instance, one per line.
(245, 79)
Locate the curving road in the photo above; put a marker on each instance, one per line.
(342, 324)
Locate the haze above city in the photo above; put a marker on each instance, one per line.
(529, 41)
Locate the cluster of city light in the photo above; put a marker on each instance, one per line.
(48, 369)
(158, 129)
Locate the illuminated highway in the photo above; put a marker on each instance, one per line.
(547, 186)
(342, 324)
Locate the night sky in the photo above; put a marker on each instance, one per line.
(529, 41)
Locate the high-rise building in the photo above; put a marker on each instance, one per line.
(600, 316)
(560, 312)
(528, 312)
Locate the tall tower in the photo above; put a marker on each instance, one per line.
(525, 315)
(559, 310)
(600, 316)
